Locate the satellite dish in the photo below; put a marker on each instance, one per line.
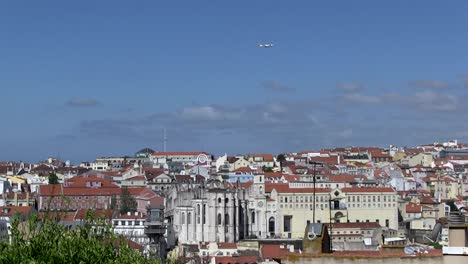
(202, 158)
(311, 235)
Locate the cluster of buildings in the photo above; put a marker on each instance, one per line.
(259, 207)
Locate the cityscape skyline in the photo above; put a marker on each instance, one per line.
(86, 79)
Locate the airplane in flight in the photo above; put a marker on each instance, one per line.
(268, 45)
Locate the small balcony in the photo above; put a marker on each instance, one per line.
(154, 223)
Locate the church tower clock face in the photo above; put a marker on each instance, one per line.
(260, 204)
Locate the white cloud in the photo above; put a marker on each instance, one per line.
(430, 100)
(350, 87)
(429, 84)
(203, 112)
(361, 98)
(464, 78)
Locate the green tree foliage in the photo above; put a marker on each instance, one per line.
(53, 178)
(127, 202)
(281, 158)
(46, 241)
(453, 207)
(113, 204)
(267, 169)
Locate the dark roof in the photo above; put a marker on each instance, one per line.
(145, 151)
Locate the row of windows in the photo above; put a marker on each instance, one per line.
(189, 219)
(325, 205)
(129, 223)
(353, 198)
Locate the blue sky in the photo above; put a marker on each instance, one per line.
(81, 79)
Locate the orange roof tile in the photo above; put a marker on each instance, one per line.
(12, 210)
(368, 189)
(226, 245)
(413, 208)
(274, 252)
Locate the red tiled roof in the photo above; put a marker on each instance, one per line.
(379, 154)
(63, 216)
(274, 252)
(367, 189)
(12, 210)
(81, 214)
(428, 200)
(413, 208)
(157, 201)
(266, 157)
(362, 225)
(232, 159)
(83, 180)
(137, 178)
(50, 189)
(183, 178)
(226, 245)
(243, 169)
(246, 184)
(133, 244)
(269, 175)
(240, 259)
(332, 160)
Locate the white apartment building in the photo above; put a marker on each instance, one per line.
(132, 226)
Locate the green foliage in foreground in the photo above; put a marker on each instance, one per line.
(46, 241)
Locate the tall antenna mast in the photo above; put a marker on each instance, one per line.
(164, 140)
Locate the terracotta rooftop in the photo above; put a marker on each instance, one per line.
(266, 157)
(362, 225)
(368, 189)
(12, 210)
(226, 245)
(81, 214)
(413, 208)
(274, 252)
(240, 259)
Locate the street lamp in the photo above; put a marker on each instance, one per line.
(315, 180)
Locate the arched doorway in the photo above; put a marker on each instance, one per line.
(271, 226)
(337, 217)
